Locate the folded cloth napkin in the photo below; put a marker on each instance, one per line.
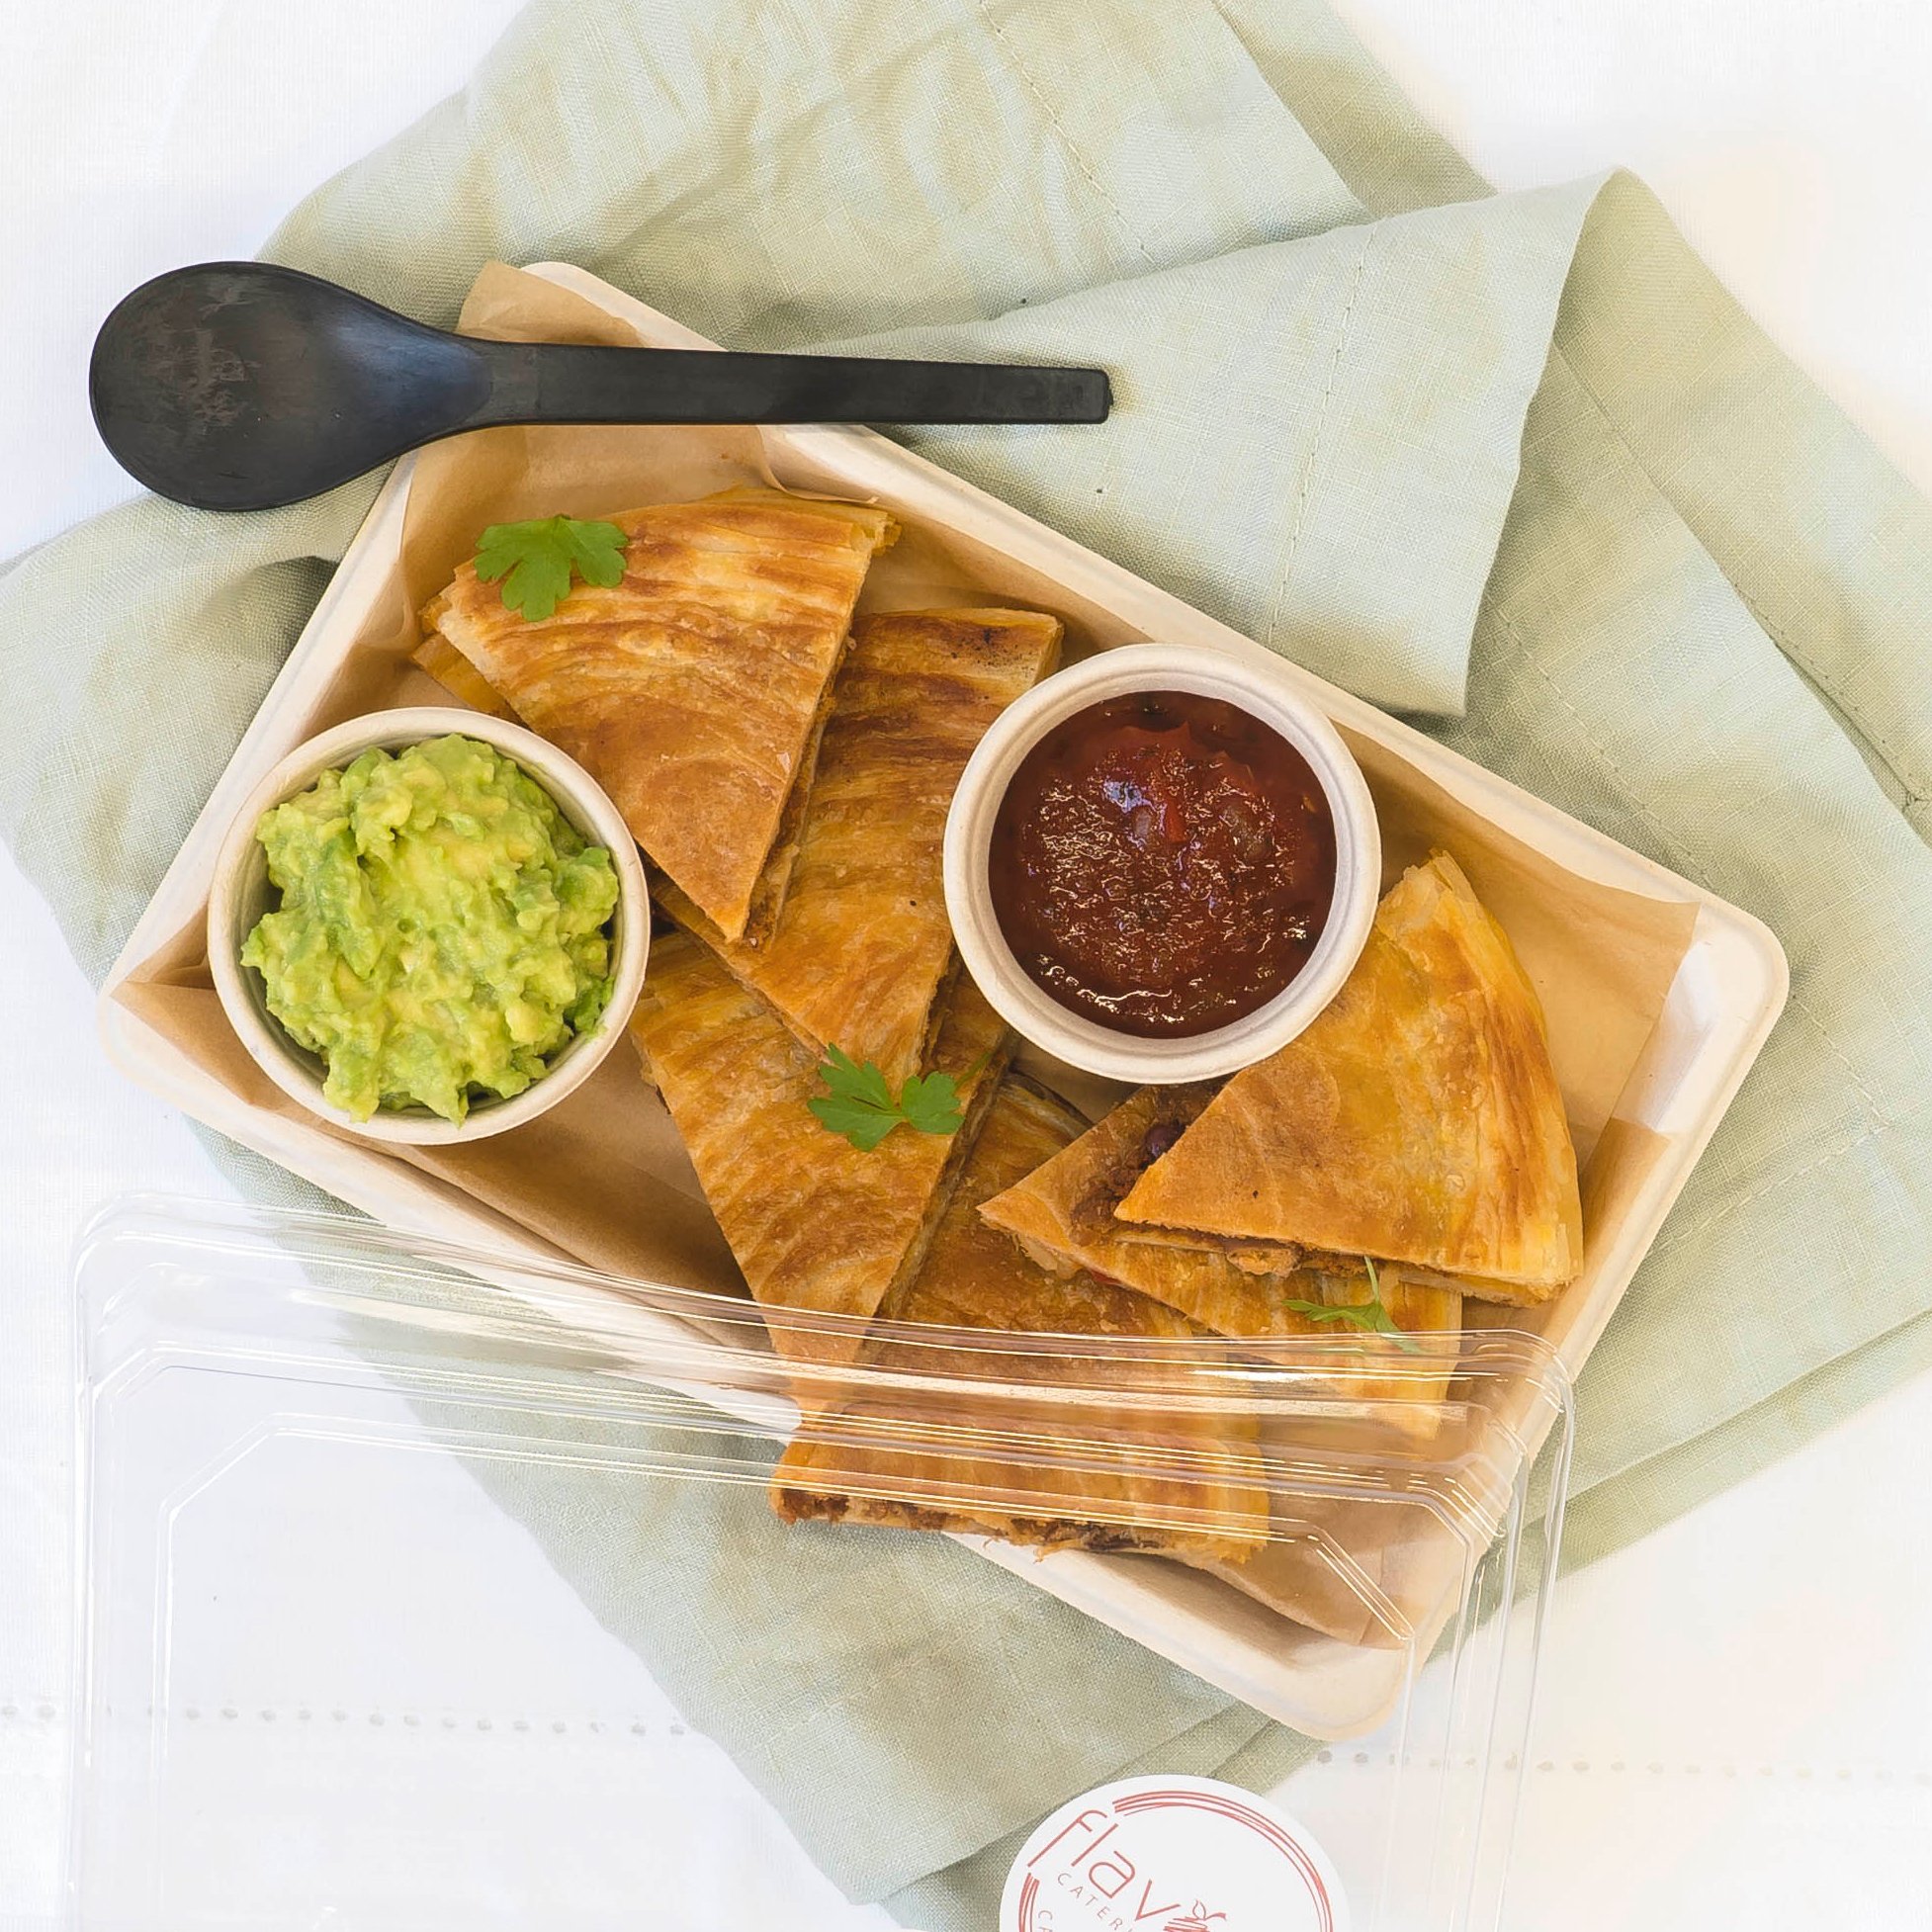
(1514, 465)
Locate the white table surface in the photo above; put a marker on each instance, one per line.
(1737, 1726)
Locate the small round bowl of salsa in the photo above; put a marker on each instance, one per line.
(428, 925)
(1162, 862)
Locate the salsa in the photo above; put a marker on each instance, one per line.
(1162, 863)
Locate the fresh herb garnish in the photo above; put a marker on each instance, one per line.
(859, 1104)
(535, 559)
(1370, 1316)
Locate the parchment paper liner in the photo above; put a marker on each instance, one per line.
(602, 1176)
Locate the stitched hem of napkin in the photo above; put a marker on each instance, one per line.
(1305, 489)
(1059, 127)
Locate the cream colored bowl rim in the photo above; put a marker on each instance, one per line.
(1265, 691)
(580, 799)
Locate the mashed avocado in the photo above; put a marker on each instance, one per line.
(441, 928)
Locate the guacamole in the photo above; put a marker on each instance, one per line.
(441, 932)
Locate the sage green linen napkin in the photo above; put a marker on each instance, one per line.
(1515, 465)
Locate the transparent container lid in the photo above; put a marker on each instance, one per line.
(307, 1699)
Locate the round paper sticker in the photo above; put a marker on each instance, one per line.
(1172, 1855)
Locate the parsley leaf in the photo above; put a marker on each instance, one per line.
(931, 1102)
(1370, 1316)
(859, 1104)
(535, 559)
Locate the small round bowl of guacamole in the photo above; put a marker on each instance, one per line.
(428, 925)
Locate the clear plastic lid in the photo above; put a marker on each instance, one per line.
(306, 1699)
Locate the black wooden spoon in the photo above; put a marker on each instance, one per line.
(238, 386)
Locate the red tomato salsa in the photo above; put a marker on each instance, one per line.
(1162, 863)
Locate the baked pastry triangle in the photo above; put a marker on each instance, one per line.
(694, 691)
(1416, 1120)
(861, 954)
(815, 1224)
(1065, 1464)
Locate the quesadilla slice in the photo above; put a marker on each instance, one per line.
(458, 675)
(862, 952)
(1062, 1215)
(1418, 1119)
(816, 1224)
(1054, 1473)
(694, 691)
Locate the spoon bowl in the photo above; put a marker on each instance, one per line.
(236, 386)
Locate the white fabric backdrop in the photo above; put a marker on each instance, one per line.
(1737, 1714)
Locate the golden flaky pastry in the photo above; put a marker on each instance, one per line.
(693, 691)
(1416, 1120)
(815, 1224)
(456, 674)
(1062, 1214)
(862, 952)
(895, 1454)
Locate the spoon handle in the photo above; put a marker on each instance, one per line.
(563, 383)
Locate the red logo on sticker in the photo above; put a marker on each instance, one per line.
(1194, 1922)
(1147, 1854)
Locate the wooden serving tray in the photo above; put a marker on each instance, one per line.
(1659, 996)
